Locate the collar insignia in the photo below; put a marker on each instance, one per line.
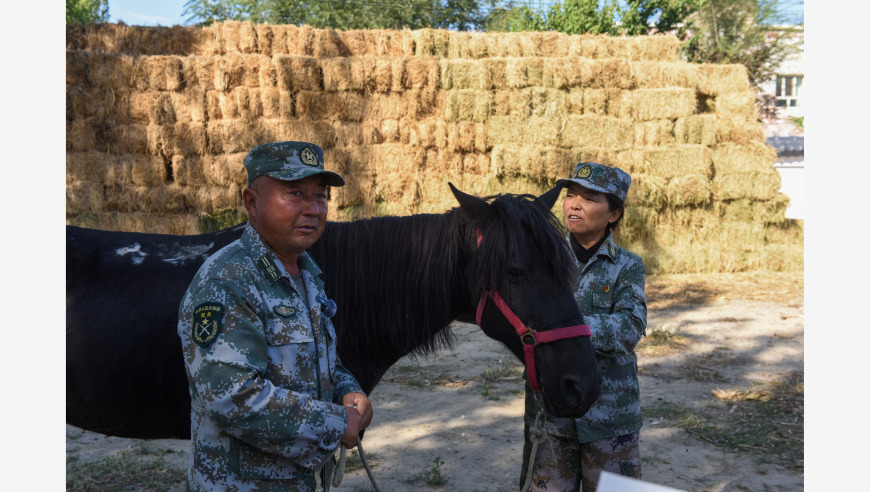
(269, 267)
(207, 319)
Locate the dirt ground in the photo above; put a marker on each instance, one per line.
(454, 422)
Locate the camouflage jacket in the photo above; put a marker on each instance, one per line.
(265, 380)
(610, 294)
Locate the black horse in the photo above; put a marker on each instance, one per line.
(398, 282)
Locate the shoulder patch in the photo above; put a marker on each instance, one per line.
(207, 319)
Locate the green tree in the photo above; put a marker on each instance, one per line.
(750, 32)
(85, 11)
(342, 14)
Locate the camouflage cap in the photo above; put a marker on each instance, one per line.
(288, 161)
(600, 178)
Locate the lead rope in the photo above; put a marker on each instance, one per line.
(338, 474)
(537, 435)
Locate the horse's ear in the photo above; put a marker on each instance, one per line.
(549, 198)
(476, 207)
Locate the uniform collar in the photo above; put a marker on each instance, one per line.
(607, 247)
(267, 261)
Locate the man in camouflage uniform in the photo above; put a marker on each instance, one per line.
(270, 399)
(610, 294)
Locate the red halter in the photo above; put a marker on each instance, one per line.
(529, 337)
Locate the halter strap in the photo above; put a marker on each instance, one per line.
(529, 337)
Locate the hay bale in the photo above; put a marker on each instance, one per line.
(737, 103)
(691, 189)
(467, 105)
(750, 156)
(462, 74)
(531, 131)
(342, 74)
(598, 131)
(697, 129)
(647, 191)
(759, 211)
(533, 101)
(658, 47)
(87, 167)
(526, 72)
(605, 74)
(344, 106)
(545, 164)
(127, 139)
(298, 73)
(759, 185)
(83, 197)
(717, 79)
(504, 45)
(265, 37)
(466, 136)
(654, 104)
(102, 70)
(321, 133)
(80, 136)
(739, 129)
(564, 73)
(131, 198)
(178, 138)
(429, 133)
(431, 42)
(602, 101)
(654, 133)
(210, 198)
(98, 103)
(639, 223)
(231, 136)
(664, 75)
(679, 161)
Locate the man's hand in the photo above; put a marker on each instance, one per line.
(363, 406)
(359, 416)
(353, 427)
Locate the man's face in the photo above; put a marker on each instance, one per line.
(290, 215)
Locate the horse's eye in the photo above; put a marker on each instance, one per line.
(516, 275)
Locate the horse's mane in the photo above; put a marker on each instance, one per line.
(519, 215)
(412, 264)
(418, 275)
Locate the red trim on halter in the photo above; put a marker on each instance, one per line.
(529, 337)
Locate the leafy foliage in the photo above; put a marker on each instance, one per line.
(86, 11)
(342, 14)
(748, 32)
(614, 17)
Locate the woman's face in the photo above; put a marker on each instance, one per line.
(587, 214)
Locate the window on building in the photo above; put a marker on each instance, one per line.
(788, 89)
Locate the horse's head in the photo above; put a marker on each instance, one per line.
(522, 276)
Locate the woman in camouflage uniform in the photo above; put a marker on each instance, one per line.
(610, 293)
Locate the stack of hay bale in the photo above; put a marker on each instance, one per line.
(159, 120)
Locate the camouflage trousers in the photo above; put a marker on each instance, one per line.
(576, 464)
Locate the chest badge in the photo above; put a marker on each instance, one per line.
(606, 289)
(285, 311)
(207, 318)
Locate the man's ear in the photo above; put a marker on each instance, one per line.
(249, 197)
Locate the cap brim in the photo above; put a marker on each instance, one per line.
(582, 182)
(332, 179)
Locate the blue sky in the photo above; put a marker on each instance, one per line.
(168, 12)
(151, 13)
